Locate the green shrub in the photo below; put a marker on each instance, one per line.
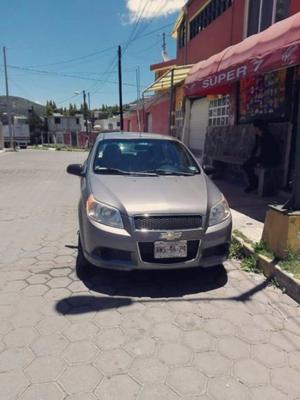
(291, 263)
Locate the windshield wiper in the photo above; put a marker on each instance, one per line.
(176, 173)
(117, 171)
(103, 170)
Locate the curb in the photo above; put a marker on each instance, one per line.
(7, 151)
(286, 281)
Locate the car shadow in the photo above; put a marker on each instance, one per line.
(83, 304)
(153, 284)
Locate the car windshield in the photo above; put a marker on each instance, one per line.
(143, 156)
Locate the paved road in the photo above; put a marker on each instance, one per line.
(113, 336)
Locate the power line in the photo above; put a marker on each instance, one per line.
(144, 50)
(63, 75)
(101, 51)
(73, 59)
(134, 36)
(157, 11)
(110, 69)
(67, 99)
(127, 43)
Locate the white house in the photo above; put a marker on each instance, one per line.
(59, 124)
(109, 124)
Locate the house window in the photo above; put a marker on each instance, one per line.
(282, 9)
(118, 124)
(181, 35)
(207, 15)
(218, 111)
(57, 120)
(77, 121)
(263, 13)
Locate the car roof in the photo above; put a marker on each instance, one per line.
(133, 135)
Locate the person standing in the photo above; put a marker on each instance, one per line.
(265, 153)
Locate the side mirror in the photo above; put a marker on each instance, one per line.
(209, 169)
(75, 169)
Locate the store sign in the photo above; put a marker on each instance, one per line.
(197, 84)
(225, 77)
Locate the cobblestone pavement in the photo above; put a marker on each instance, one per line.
(192, 335)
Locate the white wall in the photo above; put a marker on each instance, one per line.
(197, 127)
(21, 131)
(108, 124)
(66, 124)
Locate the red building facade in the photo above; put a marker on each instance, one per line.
(225, 30)
(204, 28)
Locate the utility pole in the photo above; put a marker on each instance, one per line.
(120, 88)
(164, 48)
(138, 96)
(8, 108)
(84, 112)
(90, 113)
(89, 101)
(164, 45)
(171, 116)
(85, 117)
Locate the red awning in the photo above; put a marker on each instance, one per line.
(275, 48)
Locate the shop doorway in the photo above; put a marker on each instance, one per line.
(198, 126)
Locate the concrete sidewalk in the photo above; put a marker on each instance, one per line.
(248, 209)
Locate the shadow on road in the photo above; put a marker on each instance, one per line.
(126, 288)
(85, 304)
(154, 284)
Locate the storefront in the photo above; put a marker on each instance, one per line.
(259, 77)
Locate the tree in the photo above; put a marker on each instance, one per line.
(35, 126)
(72, 109)
(49, 108)
(54, 106)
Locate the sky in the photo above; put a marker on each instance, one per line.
(58, 47)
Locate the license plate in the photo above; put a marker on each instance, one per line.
(176, 249)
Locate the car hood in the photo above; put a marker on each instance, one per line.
(152, 195)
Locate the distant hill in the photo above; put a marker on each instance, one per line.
(20, 106)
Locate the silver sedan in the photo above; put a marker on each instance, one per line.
(146, 203)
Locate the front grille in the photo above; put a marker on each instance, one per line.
(147, 253)
(175, 222)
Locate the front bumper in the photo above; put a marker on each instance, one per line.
(118, 249)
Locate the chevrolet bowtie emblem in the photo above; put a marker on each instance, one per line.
(171, 235)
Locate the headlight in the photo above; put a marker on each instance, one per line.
(104, 214)
(219, 212)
